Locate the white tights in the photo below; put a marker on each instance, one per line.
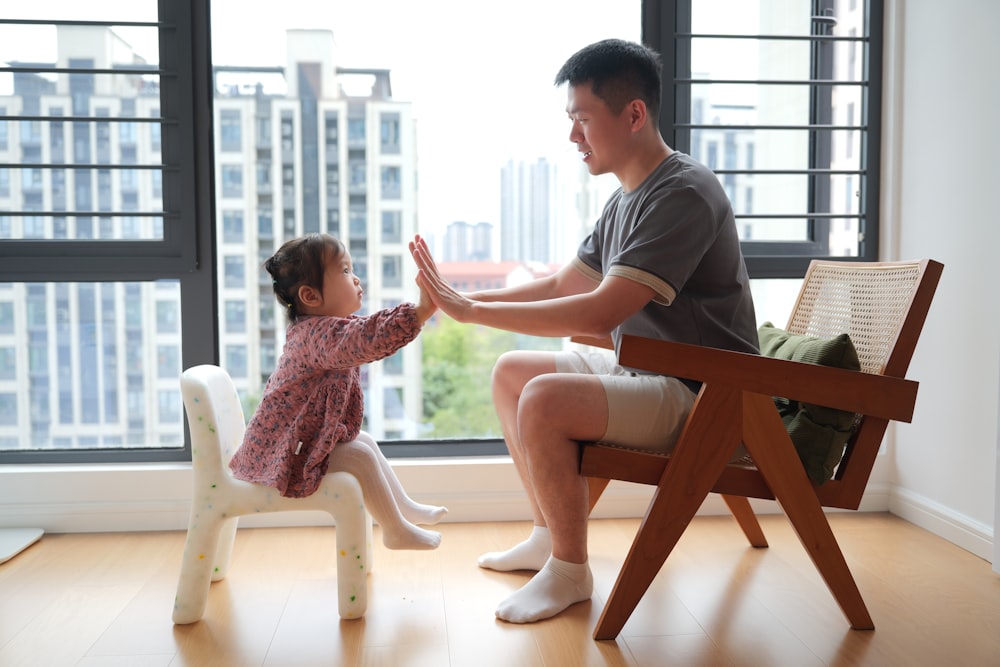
(385, 497)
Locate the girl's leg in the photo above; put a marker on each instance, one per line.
(359, 460)
(414, 512)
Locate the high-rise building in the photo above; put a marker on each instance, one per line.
(329, 150)
(468, 243)
(530, 214)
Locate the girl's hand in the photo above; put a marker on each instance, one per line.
(425, 307)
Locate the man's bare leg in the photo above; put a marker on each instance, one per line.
(512, 371)
(555, 413)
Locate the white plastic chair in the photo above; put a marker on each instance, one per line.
(216, 420)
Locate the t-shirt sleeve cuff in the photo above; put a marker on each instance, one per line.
(665, 294)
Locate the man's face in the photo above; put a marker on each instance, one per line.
(601, 135)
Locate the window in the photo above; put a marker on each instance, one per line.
(236, 361)
(390, 134)
(6, 317)
(391, 183)
(392, 271)
(230, 131)
(233, 271)
(236, 316)
(111, 130)
(99, 131)
(797, 84)
(8, 363)
(168, 361)
(8, 409)
(232, 226)
(232, 180)
(392, 229)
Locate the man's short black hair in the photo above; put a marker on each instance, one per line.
(618, 72)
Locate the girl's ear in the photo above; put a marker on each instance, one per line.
(309, 296)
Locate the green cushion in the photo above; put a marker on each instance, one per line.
(819, 433)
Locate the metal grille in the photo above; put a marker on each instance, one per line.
(789, 120)
(94, 158)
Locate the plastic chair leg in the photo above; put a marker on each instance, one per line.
(196, 569)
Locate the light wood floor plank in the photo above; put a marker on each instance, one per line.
(717, 601)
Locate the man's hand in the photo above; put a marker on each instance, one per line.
(450, 302)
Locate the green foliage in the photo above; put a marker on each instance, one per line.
(458, 360)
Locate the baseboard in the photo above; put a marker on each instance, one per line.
(973, 536)
(68, 499)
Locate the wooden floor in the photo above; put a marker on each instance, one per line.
(106, 600)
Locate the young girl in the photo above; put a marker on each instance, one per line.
(309, 418)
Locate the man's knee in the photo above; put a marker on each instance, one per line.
(516, 368)
(562, 406)
(541, 405)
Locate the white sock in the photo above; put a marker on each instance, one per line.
(528, 555)
(556, 586)
(415, 512)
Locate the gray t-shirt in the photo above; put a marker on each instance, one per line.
(676, 234)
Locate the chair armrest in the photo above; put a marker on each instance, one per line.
(604, 342)
(875, 395)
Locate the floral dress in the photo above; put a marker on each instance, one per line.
(313, 400)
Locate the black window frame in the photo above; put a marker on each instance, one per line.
(186, 251)
(666, 27)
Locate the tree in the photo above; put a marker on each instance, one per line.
(458, 360)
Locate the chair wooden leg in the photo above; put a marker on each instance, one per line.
(743, 513)
(596, 486)
(686, 482)
(774, 454)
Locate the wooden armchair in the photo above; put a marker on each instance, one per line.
(882, 306)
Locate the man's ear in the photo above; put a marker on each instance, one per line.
(638, 114)
(309, 296)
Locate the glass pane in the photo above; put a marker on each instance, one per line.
(373, 131)
(110, 142)
(751, 94)
(90, 366)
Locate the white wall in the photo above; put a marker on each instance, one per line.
(940, 201)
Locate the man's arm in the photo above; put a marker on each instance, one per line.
(565, 304)
(566, 281)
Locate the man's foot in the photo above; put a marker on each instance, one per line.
(528, 555)
(556, 586)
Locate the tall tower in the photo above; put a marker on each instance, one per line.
(528, 211)
(323, 149)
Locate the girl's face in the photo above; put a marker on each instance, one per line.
(341, 288)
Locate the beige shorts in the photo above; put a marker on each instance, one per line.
(644, 411)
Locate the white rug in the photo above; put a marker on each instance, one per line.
(15, 540)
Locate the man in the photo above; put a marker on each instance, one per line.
(663, 262)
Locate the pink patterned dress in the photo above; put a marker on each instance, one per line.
(313, 400)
